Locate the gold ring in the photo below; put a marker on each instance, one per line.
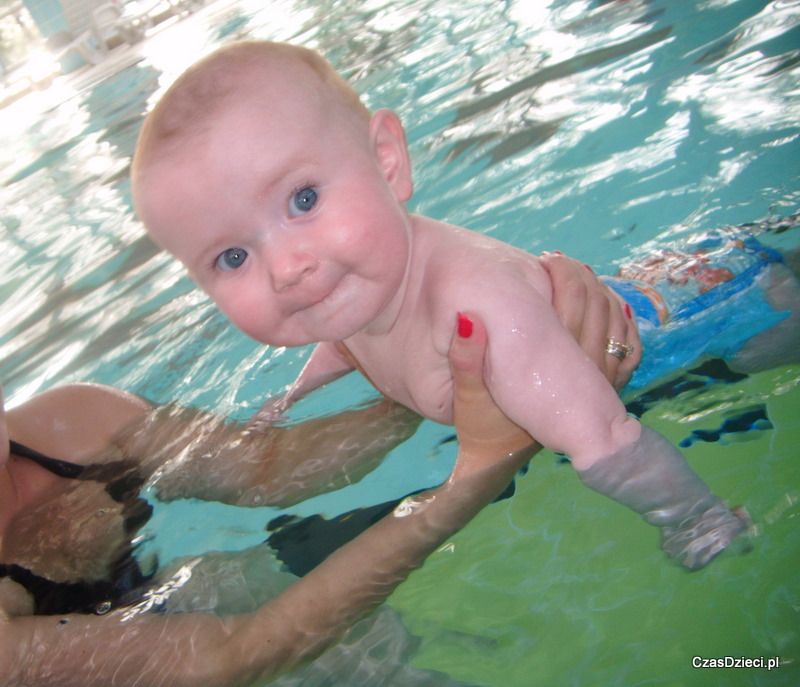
(618, 349)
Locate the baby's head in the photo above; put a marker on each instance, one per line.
(261, 170)
(255, 71)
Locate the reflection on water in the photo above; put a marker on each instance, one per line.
(523, 122)
(591, 127)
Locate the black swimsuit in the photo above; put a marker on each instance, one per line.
(123, 482)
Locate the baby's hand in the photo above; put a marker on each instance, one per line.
(695, 542)
(272, 411)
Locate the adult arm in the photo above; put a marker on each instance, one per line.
(199, 649)
(193, 453)
(324, 454)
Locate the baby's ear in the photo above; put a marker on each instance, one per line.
(389, 143)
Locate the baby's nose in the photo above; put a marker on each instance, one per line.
(290, 267)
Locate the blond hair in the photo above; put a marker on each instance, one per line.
(235, 70)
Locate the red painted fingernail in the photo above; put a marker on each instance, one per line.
(558, 252)
(589, 268)
(464, 326)
(628, 312)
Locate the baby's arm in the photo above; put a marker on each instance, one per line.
(326, 364)
(543, 382)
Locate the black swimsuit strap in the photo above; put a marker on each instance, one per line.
(122, 480)
(57, 598)
(122, 483)
(61, 468)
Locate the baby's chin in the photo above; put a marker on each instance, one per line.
(300, 340)
(334, 325)
(339, 328)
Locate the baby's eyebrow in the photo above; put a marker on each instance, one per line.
(295, 163)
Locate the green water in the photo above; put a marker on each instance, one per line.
(559, 586)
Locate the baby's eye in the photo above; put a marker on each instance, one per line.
(231, 259)
(302, 201)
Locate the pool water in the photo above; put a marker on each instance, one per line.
(597, 128)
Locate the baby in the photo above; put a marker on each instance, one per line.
(264, 174)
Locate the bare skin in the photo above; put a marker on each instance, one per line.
(50, 524)
(286, 201)
(88, 424)
(247, 649)
(300, 242)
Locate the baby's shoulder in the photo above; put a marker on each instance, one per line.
(462, 262)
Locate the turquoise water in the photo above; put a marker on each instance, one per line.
(594, 128)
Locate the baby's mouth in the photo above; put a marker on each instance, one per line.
(321, 296)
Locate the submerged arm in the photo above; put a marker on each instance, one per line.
(191, 454)
(296, 626)
(326, 364)
(198, 649)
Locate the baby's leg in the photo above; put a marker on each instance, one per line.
(780, 344)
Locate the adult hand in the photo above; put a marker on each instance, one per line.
(485, 434)
(594, 314)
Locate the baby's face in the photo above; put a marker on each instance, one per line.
(285, 219)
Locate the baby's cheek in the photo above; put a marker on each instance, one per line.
(248, 322)
(239, 312)
(259, 323)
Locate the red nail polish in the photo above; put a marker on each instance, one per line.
(464, 326)
(558, 252)
(589, 268)
(628, 312)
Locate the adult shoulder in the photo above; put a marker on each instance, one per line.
(74, 421)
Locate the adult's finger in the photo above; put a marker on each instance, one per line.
(485, 434)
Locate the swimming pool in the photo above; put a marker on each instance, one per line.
(590, 127)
